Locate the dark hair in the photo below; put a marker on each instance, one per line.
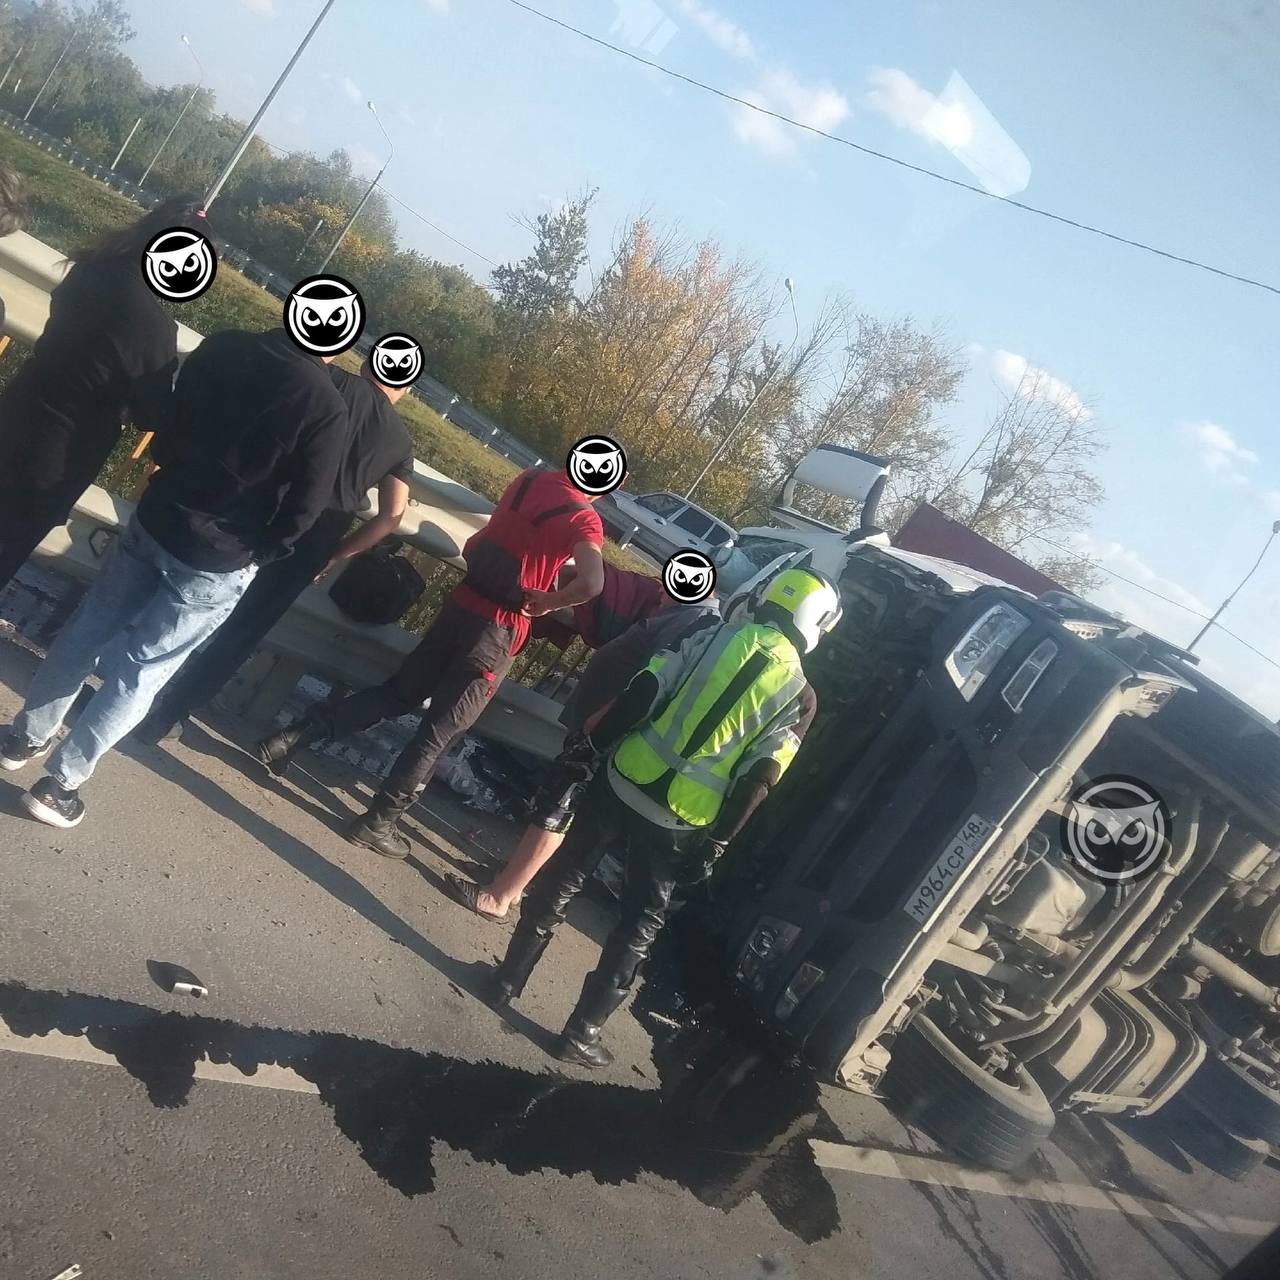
(13, 201)
(128, 242)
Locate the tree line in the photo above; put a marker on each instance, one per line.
(664, 345)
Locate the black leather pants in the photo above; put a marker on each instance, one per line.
(651, 859)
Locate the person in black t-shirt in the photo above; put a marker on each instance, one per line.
(247, 465)
(379, 456)
(108, 355)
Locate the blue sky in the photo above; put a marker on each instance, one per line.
(1161, 131)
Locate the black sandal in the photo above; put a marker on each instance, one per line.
(466, 894)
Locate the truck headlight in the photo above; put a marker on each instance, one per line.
(770, 941)
(980, 649)
(807, 977)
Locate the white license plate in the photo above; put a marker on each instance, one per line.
(946, 874)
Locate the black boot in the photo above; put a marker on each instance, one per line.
(276, 750)
(376, 829)
(580, 1041)
(509, 976)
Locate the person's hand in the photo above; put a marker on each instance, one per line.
(325, 572)
(538, 603)
(579, 757)
(699, 861)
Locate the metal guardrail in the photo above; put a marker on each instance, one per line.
(314, 637)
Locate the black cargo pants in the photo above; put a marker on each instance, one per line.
(652, 863)
(458, 664)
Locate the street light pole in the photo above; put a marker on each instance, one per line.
(14, 59)
(128, 140)
(306, 244)
(247, 137)
(52, 71)
(730, 435)
(146, 173)
(364, 199)
(1275, 529)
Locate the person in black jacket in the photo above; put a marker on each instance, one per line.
(247, 466)
(108, 355)
(379, 456)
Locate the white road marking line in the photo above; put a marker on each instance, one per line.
(938, 1172)
(932, 1170)
(77, 1049)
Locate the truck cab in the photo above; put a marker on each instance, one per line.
(909, 912)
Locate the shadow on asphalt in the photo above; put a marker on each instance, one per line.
(329, 876)
(332, 811)
(724, 1123)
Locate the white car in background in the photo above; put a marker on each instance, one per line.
(660, 524)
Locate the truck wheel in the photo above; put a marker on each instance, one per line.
(1234, 1099)
(1204, 1139)
(933, 1084)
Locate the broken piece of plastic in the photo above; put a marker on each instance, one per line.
(176, 980)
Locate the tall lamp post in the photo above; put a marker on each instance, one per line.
(12, 61)
(146, 173)
(731, 434)
(364, 199)
(1266, 546)
(247, 137)
(52, 71)
(124, 145)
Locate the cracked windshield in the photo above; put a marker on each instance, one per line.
(638, 639)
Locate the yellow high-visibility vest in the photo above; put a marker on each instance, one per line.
(738, 704)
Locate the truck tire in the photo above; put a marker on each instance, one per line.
(1236, 1101)
(934, 1085)
(1204, 1139)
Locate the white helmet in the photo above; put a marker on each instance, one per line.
(811, 600)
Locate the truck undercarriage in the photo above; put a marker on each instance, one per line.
(912, 912)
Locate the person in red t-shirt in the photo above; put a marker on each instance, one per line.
(512, 565)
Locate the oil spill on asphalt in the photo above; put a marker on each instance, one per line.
(724, 1123)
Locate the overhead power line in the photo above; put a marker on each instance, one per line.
(391, 195)
(434, 227)
(1159, 595)
(896, 160)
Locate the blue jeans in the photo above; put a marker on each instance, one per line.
(141, 620)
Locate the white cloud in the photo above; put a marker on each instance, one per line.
(956, 119)
(817, 105)
(1115, 555)
(351, 89)
(440, 6)
(1271, 500)
(1016, 372)
(267, 7)
(365, 161)
(1219, 450)
(724, 33)
(909, 105)
(1179, 617)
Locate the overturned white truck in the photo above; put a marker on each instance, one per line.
(1028, 860)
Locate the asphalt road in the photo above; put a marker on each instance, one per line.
(343, 1105)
